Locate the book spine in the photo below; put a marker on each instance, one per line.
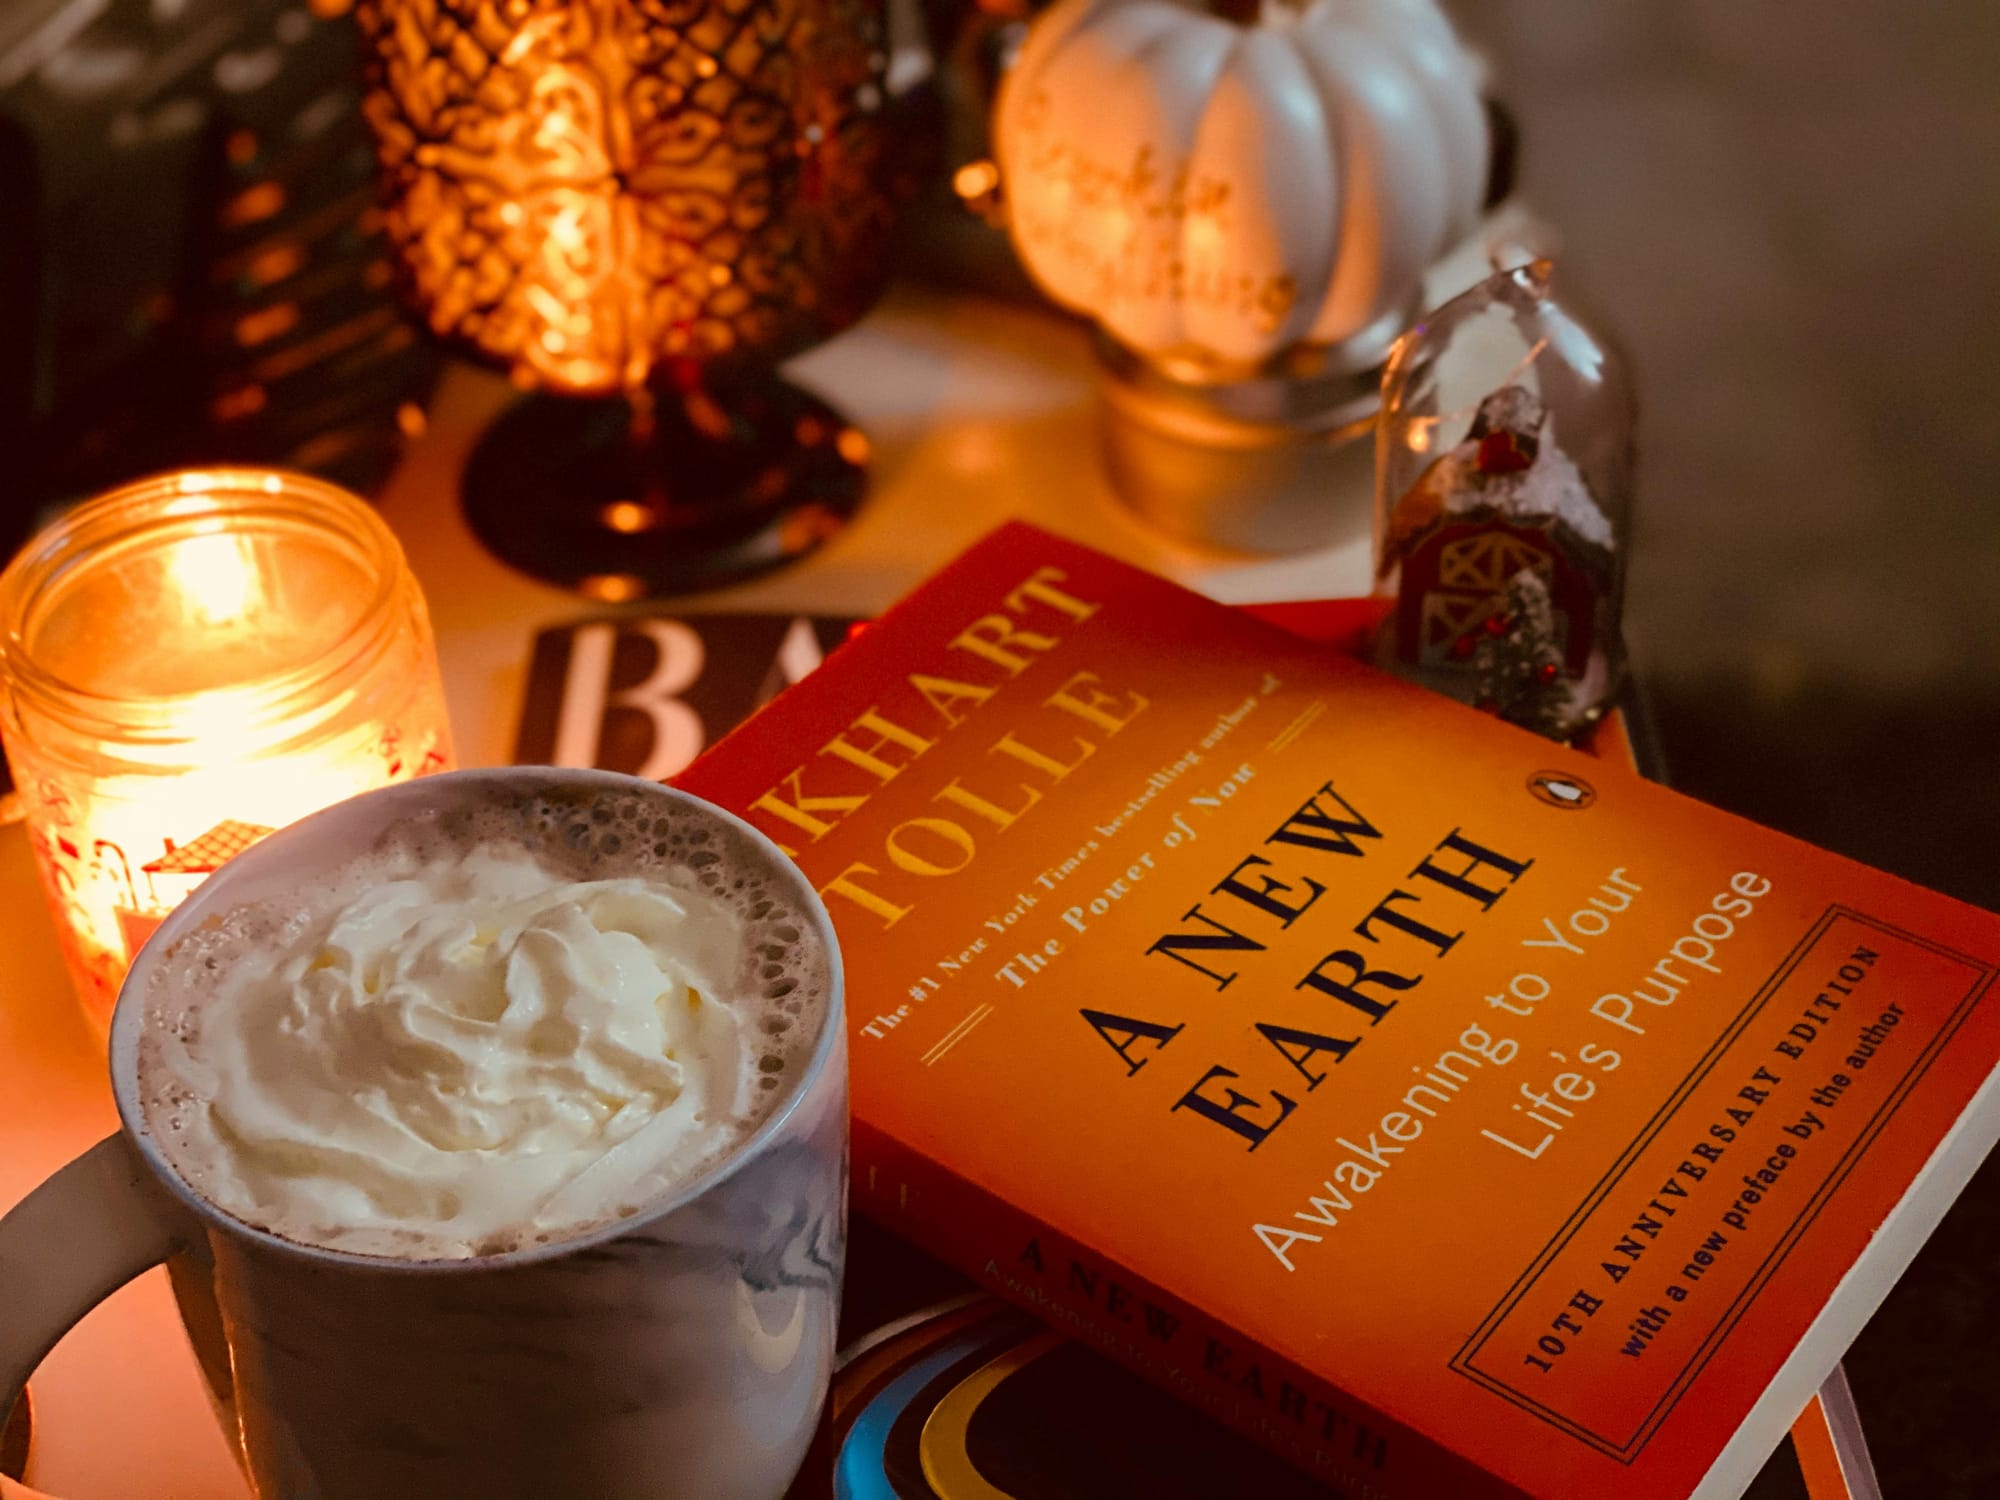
(1193, 1355)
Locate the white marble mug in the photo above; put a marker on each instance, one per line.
(682, 1352)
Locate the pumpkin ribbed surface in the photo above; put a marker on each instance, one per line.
(1226, 192)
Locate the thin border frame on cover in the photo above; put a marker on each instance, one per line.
(1827, 1438)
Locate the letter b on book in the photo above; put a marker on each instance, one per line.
(645, 695)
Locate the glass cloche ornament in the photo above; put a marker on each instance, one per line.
(1503, 488)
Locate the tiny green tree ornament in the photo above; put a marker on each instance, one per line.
(1502, 505)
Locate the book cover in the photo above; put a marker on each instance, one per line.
(1449, 1111)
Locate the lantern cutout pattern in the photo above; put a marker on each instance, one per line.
(1221, 194)
(651, 200)
(1503, 494)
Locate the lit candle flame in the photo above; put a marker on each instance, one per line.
(228, 719)
(213, 571)
(212, 567)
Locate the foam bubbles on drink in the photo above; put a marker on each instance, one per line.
(575, 834)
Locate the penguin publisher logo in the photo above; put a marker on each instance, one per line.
(1561, 789)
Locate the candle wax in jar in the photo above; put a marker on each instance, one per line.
(211, 610)
(214, 641)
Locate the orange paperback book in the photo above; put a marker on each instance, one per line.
(1455, 1113)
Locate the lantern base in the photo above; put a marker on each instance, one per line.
(663, 493)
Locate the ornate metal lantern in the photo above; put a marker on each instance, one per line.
(653, 201)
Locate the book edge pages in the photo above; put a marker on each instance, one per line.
(1860, 1289)
(1859, 1293)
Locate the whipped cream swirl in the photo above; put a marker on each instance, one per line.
(471, 1059)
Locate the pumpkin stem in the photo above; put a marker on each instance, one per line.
(1242, 12)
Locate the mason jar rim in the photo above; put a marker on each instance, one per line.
(109, 524)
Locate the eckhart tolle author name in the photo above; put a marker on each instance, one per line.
(1264, 1020)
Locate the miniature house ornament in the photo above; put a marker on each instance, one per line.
(1247, 210)
(1503, 498)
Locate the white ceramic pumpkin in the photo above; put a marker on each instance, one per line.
(1226, 191)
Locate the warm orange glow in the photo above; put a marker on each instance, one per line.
(271, 266)
(852, 445)
(582, 191)
(553, 131)
(612, 588)
(241, 705)
(411, 421)
(376, 323)
(975, 179)
(629, 517)
(144, 841)
(241, 147)
(267, 323)
(253, 204)
(234, 405)
(213, 570)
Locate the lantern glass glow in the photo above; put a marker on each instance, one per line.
(193, 661)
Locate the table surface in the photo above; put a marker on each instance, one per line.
(977, 412)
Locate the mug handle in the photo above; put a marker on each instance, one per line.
(69, 1244)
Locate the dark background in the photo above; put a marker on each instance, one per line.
(1790, 214)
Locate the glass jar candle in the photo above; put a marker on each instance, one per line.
(188, 663)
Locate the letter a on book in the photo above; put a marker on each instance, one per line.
(1274, 910)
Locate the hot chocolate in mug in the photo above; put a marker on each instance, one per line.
(681, 1350)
